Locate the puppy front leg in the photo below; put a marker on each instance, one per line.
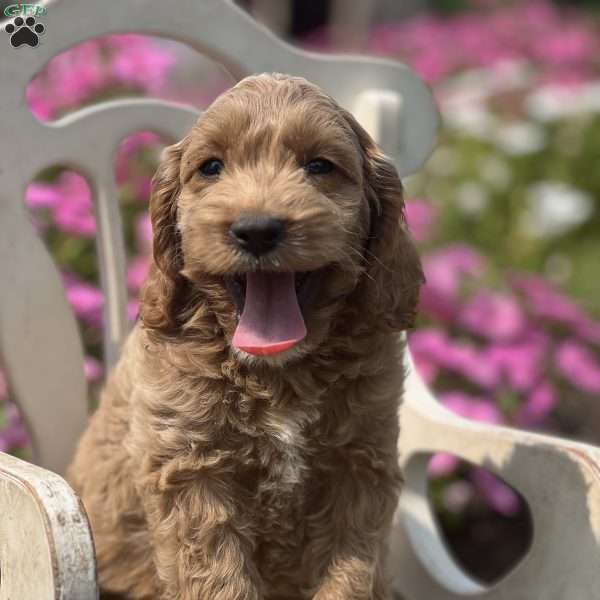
(202, 542)
(352, 577)
(348, 535)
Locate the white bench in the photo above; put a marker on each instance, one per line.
(46, 549)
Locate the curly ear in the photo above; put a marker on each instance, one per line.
(164, 290)
(393, 276)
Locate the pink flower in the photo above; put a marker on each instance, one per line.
(42, 195)
(528, 31)
(429, 342)
(426, 368)
(420, 216)
(572, 46)
(93, 369)
(433, 65)
(86, 300)
(432, 300)
(69, 200)
(133, 310)
(69, 79)
(494, 316)
(428, 348)
(471, 364)
(538, 406)
(501, 497)
(462, 358)
(579, 366)
(77, 75)
(143, 233)
(446, 270)
(137, 272)
(143, 188)
(545, 302)
(13, 435)
(41, 107)
(140, 62)
(588, 329)
(472, 407)
(126, 154)
(442, 464)
(520, 363)
(138, 141)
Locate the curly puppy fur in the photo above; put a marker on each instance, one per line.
(210, 474)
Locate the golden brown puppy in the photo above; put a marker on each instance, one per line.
(245, 445)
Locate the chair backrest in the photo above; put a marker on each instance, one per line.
(39, 342)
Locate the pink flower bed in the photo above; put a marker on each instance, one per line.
(514, 349)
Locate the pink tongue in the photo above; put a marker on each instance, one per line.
(271, 321)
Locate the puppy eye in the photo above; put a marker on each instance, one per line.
(319, 166)
(211, 167)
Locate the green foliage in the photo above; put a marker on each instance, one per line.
(484, 196)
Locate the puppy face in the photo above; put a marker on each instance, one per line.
(263, 153)
(268, 204)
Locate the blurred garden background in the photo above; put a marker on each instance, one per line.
(506, 213)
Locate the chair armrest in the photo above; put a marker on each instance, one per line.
(559, 479)
(46, 547)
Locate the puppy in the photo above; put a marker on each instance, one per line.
(245, 444)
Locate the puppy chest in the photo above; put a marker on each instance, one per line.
(281, 494)
(282, 455)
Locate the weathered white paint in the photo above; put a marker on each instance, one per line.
(46, 549)
(559, 479)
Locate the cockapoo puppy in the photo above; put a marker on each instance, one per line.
(245, 446)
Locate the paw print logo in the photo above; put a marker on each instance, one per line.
(24, 31)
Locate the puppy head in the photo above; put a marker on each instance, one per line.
(275, 212)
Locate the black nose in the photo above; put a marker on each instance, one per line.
(257, 235)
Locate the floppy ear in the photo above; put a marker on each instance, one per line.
(165, 289)
(393, 277)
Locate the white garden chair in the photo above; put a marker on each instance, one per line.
(46, 549)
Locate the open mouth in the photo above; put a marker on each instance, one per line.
(270, 306)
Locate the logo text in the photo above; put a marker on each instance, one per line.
(24, 10)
